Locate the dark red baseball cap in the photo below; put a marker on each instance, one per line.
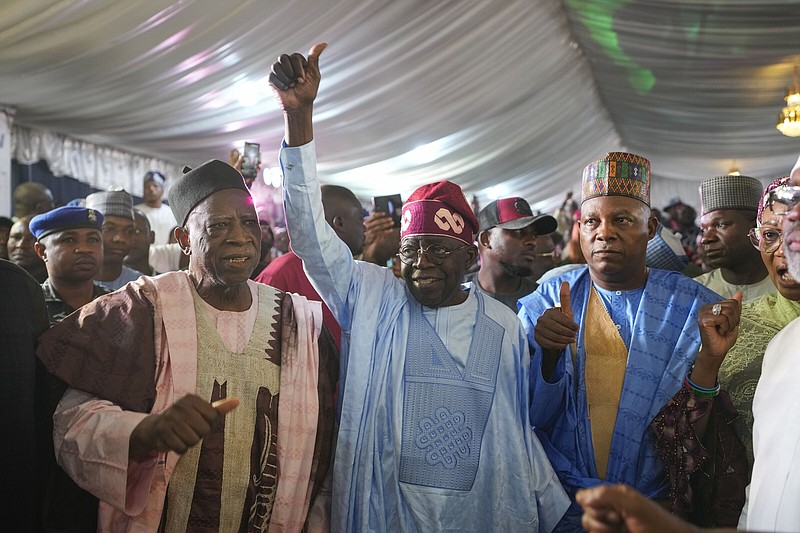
(514, 213)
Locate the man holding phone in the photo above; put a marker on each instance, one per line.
(248, 163)
(391, 205)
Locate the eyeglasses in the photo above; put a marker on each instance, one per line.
(766, 238)
(789, 195)
(436, 253)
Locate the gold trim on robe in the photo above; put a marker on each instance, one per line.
(606, 360)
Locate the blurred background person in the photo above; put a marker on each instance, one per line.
(281, 243)
(681, 218)
(162, 221)
(31, 198)
(119, 231)
(139, 256)
(546, 255)
(665, 251)
(21, 251)
(267, 251)
(5, 229)
(565, 214)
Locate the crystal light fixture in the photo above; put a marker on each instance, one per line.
(789, 119)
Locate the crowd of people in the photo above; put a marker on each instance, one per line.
(170, 368)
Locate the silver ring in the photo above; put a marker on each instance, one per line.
(716, 309)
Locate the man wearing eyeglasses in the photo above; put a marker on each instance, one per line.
(434, 432)
(763, 317)
(728, 210)
(507, 246)
(775, 484)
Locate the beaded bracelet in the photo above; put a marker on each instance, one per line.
(700, 391)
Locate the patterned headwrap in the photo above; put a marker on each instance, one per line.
(618, 174)
(762, 203)
(729, 192)
(439, 209)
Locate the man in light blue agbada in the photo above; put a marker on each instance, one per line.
(434, 432)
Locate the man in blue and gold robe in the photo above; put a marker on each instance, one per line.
(610, 343)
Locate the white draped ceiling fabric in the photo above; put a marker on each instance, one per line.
(508, 97)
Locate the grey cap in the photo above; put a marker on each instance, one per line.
(730, 192)
(111, 203)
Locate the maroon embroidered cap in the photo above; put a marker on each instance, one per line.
(439, 209)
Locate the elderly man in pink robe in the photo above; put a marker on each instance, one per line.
(199, 400)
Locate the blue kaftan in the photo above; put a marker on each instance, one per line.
(428, 440)
(662, 339)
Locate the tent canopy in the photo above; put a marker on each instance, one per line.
(505, 98)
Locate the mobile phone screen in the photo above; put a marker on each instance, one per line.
(392, 205)
(250, 160)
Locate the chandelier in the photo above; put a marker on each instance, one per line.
(789, 119)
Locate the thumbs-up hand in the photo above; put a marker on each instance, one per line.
(556, 328)
(295, 79)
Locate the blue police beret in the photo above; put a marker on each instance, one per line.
(67, 217)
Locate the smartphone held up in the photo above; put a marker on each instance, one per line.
(391, 204)
(251, 160)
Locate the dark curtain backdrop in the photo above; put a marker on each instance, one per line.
(64, 188)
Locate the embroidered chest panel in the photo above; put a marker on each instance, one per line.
(445, 410)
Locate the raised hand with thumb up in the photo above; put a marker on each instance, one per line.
(295, 81)
(555, 330)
